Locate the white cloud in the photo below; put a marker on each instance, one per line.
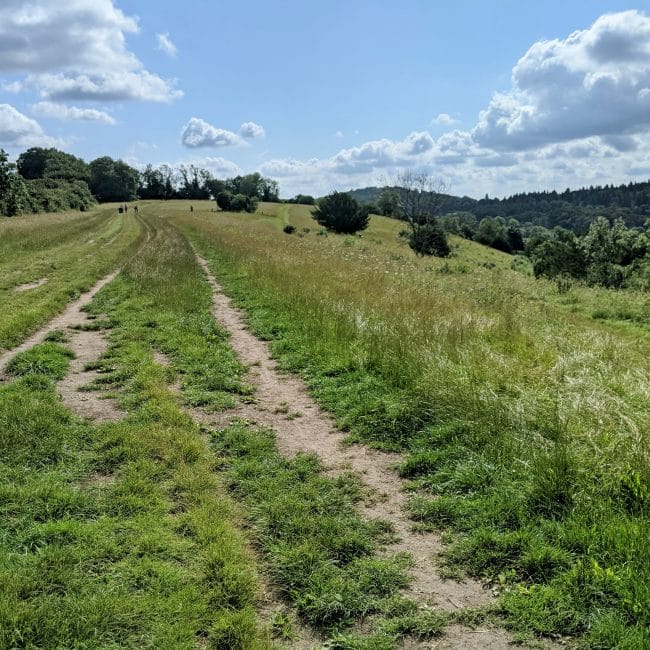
(76, 49)
(220, 167)
(109, 86)
(594, 82)
(251, 130)
(166, 45)
(383, 153)
(66, 113)
(198, 133)
(18, 130)
(338, 134)
(443, 119)
(13, 87)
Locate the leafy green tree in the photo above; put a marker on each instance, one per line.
(555, 257)
(463, 224)
(339, 212)
(156, 183)
(215, 186)
(388, 204)
(13, 193)
(113, 180)
(194, 183)
(38, 162)
(254, 185)
(304, 199)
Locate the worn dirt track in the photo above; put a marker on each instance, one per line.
(70, 316)
(88, 346)
(282, 403)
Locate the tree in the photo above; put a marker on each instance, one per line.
(38, 162)
(339, 212)
(388, 203)
(113, 180)
(254, 185)
(194, 183)
(304, 199)
(13, 193)
(156, 183)
(419, 197)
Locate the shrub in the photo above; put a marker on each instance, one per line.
(236, 202)
(289, 229)
(430, 239)
(224, 199)
(339, 212)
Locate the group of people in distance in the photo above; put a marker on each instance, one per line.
(125, 208)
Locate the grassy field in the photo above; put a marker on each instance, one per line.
(120, 534)
(66, 252)
(521, 407)
(123, 534)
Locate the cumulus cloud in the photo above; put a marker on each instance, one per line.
(108, 86)
(18, 130)
(220, 167)
(594, 82)
(166, 45)
(251, 130)
(443, 119)
(77, 48)
(198, 133)
(383, 153)
(67, 113)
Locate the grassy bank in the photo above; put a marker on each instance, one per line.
(66, 252)
(523, 415)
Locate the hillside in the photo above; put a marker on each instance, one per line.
(571, 209)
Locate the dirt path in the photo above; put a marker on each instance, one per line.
(88, 346)
(283, 404)
(70, 316)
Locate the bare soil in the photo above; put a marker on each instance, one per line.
(87, 346)
(282, 403)
(30, 285)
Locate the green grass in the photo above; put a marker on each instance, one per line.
(71, 250)
(320, 553)
(524, 420)
(120, 534)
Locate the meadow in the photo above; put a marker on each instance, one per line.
(519, 407)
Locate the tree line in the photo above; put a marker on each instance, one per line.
(49, 180)
(572, 209)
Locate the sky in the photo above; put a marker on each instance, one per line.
(489, 96)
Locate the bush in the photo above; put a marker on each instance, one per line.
(430, 239)
(236, 202)
(289, 229)
(339, 212)
(224, 199)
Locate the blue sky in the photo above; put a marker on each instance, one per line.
(490, 97)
